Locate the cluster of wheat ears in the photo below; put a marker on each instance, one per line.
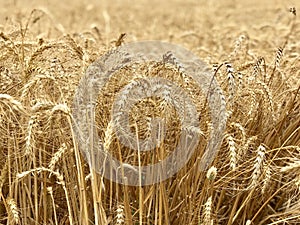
(254, 179)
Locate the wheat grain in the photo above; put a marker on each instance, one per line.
(253, 103)
(207, 212)
(294, 165)
(29, 139)
(9, 100)
(56, 68)
(108, 138)
(74, 46)
(267, 178)
(120, 215)
(257, 168)
(240, 46)
(279, 54)
(55, 158)
(211, 173)
(29, 85)
(232, 152)
(9, 44)
(41, 64)
(13, 212)
(64, 108)
(293, 10)
(41, 105)
(242, 130)
(269, 98)
(248, 222)
(169, 57)
(6, 78)
(257, 67)
(240, 76)
(3, 175)
(231, 83)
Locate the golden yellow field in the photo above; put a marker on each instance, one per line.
(251, 48)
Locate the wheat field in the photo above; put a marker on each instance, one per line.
(252, 48)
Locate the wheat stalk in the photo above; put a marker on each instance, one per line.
(60, 179)
(50, 191)
(211, 173)
(39, 73)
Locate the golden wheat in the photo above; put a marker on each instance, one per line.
(250, 177)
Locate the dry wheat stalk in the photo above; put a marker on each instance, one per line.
(60, 181)
(50, 191)
(254, 104)
(35, 18)
(297, 182)
(218, 126)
